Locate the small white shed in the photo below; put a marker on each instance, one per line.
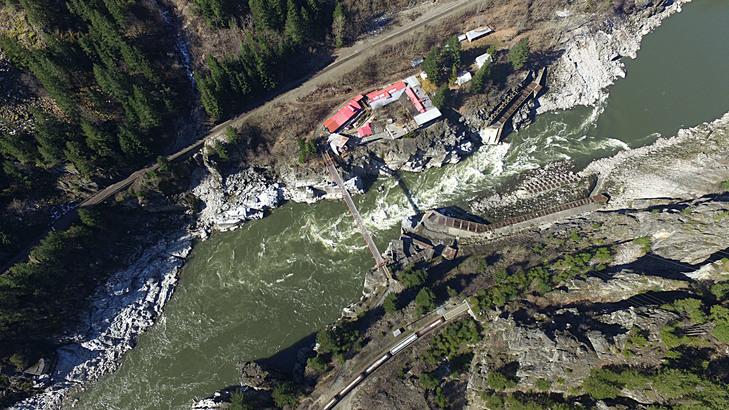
(482, 59)
(463, 77)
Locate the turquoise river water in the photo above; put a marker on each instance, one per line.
(250, 293)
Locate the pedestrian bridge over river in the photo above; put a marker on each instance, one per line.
(381, 262)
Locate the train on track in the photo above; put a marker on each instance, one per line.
(379, 362)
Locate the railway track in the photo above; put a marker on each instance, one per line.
(394, 350)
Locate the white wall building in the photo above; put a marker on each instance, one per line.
(482, 59)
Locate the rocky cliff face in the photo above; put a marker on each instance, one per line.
(126, 306)
(589, 323)
(698, 165)
(683, 213)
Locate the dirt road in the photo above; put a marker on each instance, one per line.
(347, 59)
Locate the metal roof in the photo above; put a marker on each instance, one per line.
(344, 114)
(386, 92)
(427, 116)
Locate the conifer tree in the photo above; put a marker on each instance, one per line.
(99, 143)
(519, 54)
(74, 152)
(19, 146)
(143, 106)
(478, 83)
(294, 27)
(433, 65)
(339, 22)
(262, 16)
(206, 87)
(131, 142)
(452, 52)
(277, 13)
(49, 133)
(441, 97)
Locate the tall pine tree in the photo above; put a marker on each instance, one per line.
(294, 27)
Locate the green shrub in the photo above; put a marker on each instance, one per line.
(222, 150)
(239, 402)
(500, 275)
(425, 300)
(403, 371)
(519, 54)
(725, 185)
(449, 342)
(645, 243)
(318, 364)
(543, 384)
(602, 384)
(637, 339)
(429, 380)
(232, 135)
(720, 317)
(442, 97)
(391, 303)
(440, 399)
(338, 338)
(669, 337)
(163, 164)
(18, 360)
(603, 255)
(284, 395)
(692, 307)
(673, 354)
(90, 217)
(492, 401)
(720, 290)
(460, 362)
(413, 278)
(499, 381)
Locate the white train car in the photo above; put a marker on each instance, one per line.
(331, 403)
(350, 386)
(431, 326)
(378, 363)
(405, 343)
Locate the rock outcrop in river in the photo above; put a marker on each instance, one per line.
(591, 60)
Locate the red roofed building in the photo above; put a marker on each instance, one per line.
(379, 98)
(344, 115)
(414, 98)
(365, 131)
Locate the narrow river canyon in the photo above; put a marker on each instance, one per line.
(253, 292)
